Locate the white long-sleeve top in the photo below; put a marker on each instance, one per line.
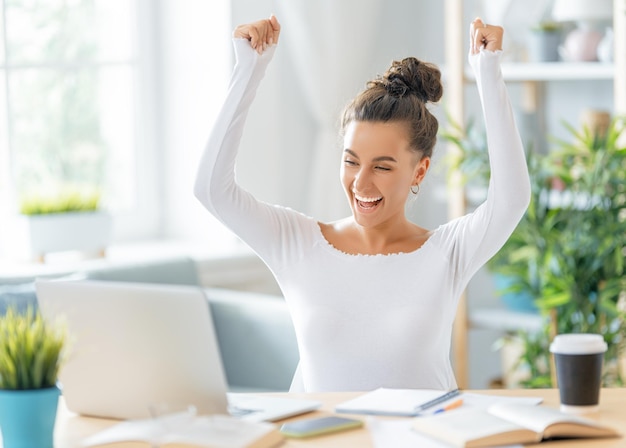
(368, 321)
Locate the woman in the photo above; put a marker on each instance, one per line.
(372, 296)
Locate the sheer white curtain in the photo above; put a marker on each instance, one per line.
(329, 42)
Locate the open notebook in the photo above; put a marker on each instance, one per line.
(137, 347)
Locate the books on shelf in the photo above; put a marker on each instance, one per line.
(218, 431)
(507, 424)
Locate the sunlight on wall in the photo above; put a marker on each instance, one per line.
(196, 66)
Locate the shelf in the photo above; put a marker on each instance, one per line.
(505, 320)
(553, 71)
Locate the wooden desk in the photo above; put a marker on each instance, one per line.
(71, 428)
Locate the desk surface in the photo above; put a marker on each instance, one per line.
(71, 428)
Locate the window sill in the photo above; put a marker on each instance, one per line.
(12, 271)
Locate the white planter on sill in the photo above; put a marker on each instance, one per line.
(61, 232)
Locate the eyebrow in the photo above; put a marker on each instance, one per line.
(377, 159)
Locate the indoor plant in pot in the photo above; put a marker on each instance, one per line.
(68, 219)
(544, 41)
(567, 252)
(30, 357)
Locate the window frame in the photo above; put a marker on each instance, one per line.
(142, 220)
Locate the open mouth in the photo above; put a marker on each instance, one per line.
(367, 203)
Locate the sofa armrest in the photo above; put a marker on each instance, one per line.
(256, 338)
(175, 271)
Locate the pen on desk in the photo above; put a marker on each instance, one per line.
(453, 405)
(440, 399)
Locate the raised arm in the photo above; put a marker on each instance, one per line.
(490, 225)
(257, 223)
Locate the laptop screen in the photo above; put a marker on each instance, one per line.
(135, 346)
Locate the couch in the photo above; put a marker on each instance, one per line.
(254, 330)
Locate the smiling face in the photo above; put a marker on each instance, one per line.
(378, 168)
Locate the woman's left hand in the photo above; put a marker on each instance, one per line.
(489, 36)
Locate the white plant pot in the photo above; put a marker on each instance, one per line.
(60, 232)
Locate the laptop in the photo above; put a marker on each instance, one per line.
(137, 347)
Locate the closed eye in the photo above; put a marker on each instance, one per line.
(350, 162)
(383, 168)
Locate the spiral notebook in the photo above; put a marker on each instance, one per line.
(422, 402)
(398, 402)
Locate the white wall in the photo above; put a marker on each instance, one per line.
(195, 64)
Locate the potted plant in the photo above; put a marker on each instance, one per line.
(30, 357)
(567, 252)
(544, 41)
(69, 219)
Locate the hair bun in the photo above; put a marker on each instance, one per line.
(396, 87)
(412, 76)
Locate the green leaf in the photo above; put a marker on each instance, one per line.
(31, 351)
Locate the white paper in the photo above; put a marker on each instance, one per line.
(399, 434)
(402, 402)
(385, 401)
(201, 431)
(484, 401)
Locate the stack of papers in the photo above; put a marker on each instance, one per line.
(420, 402)
(221, 431)
(400, 433)
(395, 402)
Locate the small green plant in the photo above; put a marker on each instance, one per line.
(547, 26)
(67, 201)
(472, 160)
(30, 350)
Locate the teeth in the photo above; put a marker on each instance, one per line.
(363, 199)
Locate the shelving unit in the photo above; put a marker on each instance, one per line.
(553, 71)
(533, 77)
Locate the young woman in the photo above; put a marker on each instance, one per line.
(372, 296)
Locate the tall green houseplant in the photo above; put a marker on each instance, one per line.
(568, 250)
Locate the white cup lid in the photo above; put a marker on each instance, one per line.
(578, 344)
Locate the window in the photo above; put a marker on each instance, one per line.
(69, 100)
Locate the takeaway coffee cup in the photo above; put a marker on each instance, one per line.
(579, 358)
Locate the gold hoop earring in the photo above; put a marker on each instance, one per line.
(418, 189)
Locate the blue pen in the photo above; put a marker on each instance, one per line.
(441, 399)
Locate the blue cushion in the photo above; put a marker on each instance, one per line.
(21, 295)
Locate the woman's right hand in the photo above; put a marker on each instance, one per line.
(261, 33)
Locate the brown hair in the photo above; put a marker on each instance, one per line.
(402, 94)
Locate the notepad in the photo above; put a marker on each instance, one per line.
(397, 402)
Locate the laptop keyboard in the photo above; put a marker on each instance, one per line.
(237, 411)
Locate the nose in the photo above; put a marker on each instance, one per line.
(362, 181)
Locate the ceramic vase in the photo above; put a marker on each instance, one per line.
(543, 46)
(605, 47)
(27, 417)
(581, 45)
